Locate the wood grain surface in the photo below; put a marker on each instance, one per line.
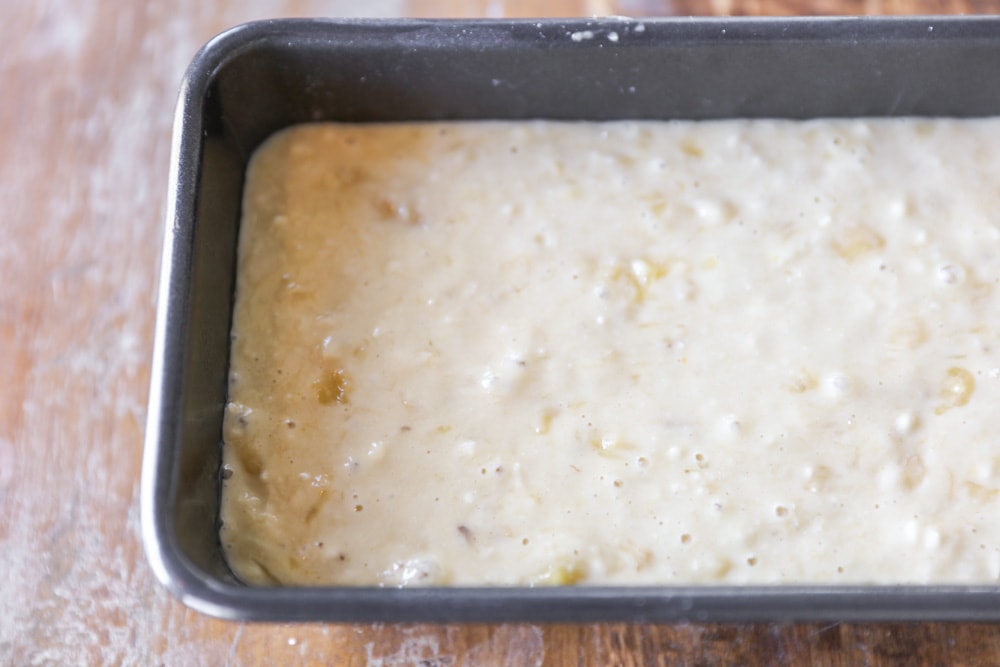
(87, 91)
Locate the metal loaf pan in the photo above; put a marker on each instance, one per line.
(258, 78)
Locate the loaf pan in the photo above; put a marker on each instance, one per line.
(261, 77)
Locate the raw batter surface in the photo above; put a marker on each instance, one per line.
(555, 353)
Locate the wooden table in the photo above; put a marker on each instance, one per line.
(86, 97)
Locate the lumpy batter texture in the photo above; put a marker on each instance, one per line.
(579, 353)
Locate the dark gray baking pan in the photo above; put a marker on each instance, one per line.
(261, 77)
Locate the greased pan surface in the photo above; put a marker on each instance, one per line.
(258, 78)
